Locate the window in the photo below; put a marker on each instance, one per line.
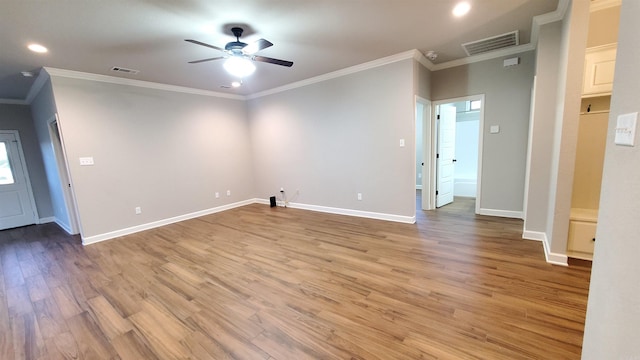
(475, 105)
(6, 175)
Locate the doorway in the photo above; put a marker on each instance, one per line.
(72, 226)
(423, 161)
(457, 150)
(17, 205)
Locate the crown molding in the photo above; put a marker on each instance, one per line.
(37, 85)
(556, 15)
(486, 56)
(418, 56)
(597, 5)
(138, 83)
(339, 73)
(422, 59)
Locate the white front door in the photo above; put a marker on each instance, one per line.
(16, 207)
(446, 154)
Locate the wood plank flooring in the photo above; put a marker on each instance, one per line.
(274, 283)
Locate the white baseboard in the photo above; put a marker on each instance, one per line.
(551, 258)
(501, 213)
(134, 229)
(64, 226)
(348, 212)
(356, 213)
(46, 220)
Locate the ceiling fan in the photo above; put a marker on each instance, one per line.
(238, 51)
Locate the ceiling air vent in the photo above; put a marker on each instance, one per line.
(491, 43)
(124, 70)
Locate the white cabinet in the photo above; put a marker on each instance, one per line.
(582, 233)
(599, 68)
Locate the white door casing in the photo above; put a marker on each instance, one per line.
(17, 206)
(446, 154)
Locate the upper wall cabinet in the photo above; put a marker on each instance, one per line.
(599, 66)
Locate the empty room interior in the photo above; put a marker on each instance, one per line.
(319, 180)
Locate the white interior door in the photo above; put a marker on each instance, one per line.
(16, 206)
(445, 161)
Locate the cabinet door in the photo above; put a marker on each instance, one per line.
(599, 67)
(581, 236)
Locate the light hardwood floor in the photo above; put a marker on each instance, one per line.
(274, 283)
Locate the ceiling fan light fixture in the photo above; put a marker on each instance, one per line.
(239, 67)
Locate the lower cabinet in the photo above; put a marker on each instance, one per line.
(582, 233)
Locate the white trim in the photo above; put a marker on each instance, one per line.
(25, 169)
(139, 83)
(428, 202)
(134, 229)
(46, 220)
(64, 175)
(597, 5)
(64, 226)
(434, 141)
(551, 258)
(534, 235)
(411, 54)
(37, 85)
(356, 213)
(600, 48)
(485, 56)
(538, 20)
(500, 213)
(419, 57)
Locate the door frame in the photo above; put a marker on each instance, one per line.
(428, 202)
(434, 149)
(57, 145)
(25, 170)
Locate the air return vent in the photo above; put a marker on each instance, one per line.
(491, 43)
(125, 70)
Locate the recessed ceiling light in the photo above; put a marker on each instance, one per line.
(236, 84)
(461, 9)
(37, 48)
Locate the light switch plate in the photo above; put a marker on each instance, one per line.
(401, 142)
(494, 129)
(626, 129)
(86, 161)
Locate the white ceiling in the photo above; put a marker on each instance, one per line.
(319, 36)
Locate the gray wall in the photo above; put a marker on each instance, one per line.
(507, 99)
(43, 108)
(574, 42)
(18, 117)
(542, 126)
(166, 152)
(334, 139)
(613, 315)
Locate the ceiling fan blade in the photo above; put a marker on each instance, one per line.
(203, 60)
(272, 61)
(203, 44)
(256, 46)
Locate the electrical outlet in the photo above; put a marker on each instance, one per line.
(228, 192)
(138, 210)
(359, 196)
(217, 195)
